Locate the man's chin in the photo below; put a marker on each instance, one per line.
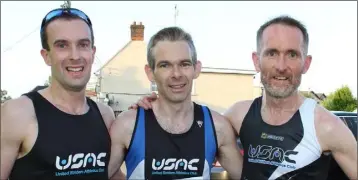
(76, 87)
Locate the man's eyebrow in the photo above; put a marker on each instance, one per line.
(59, 41)
(271, 50)
(84, 40)
(186, 60)
(65, 41)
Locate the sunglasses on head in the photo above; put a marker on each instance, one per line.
(59, 12)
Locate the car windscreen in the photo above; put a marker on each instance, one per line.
(351, 122)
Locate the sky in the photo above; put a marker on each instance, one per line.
(224, 34)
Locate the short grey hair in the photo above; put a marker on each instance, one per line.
(170, 34)
(284, 20)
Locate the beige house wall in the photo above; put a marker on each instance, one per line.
(125, 74)
(257, 91)
(123, 78)
(221, 90)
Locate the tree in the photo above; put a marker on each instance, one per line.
(4, 96)
(341, 100)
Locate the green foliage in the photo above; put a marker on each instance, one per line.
(341, 100)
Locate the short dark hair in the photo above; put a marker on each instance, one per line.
(170, 34)
(66, 16)
(285, 20)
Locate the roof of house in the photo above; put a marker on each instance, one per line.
(204, 69)
(115, 55)
(227, 71)
(320, 96)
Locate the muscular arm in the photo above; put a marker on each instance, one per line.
(107, 114)
(13, 130)
(336, 137)
(229, 155)
(236, 114)
(121, 134)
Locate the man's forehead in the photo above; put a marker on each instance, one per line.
(64, 29)
(172, 51)
(282, 35)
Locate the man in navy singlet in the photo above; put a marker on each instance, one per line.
(177, 139)
(285, 135)
(56, 132)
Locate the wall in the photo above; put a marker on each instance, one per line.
(220, 91)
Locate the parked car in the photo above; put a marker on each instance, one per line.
(335, 172)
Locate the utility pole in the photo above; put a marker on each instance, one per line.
(175, 14)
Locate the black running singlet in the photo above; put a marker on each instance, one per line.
(156, 154)
(287, 152)
(68, 147)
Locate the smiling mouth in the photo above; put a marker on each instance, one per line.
(75, 69)
(280, 78)
(177, 86)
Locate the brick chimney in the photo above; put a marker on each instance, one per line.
(137, 31)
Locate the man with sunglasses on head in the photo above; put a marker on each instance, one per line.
(56, 132)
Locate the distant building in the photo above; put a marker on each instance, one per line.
(122, 80)
(319, 97)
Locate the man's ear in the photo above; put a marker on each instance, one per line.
(94, 49)
(256, 60)
(45, 56)
(197, 69)
(307, 63)
(149, 72)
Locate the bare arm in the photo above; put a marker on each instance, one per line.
(336, 137)
(229, 155)
(236, 114)
(13, 130)
(121, 134)
(107, 114)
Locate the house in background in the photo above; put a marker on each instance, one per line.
(319, 97)
(122, 80)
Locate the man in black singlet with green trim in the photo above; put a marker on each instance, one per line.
(56, 132)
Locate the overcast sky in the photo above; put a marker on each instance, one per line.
(224, 33)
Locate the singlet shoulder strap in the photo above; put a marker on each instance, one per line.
(211, 143)
(136, 148)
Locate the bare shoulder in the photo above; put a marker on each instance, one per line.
(122, 128)
(16, 115)
(107, 113)
(326, 124)
(126, 119)
(19, 109)
(237, 112)
(325, 121)
(220, 121)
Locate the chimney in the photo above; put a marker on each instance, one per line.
(137, 31)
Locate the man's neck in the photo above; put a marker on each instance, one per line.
(277, 111)
(68, 101)
(282, 104)
(173, 112)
